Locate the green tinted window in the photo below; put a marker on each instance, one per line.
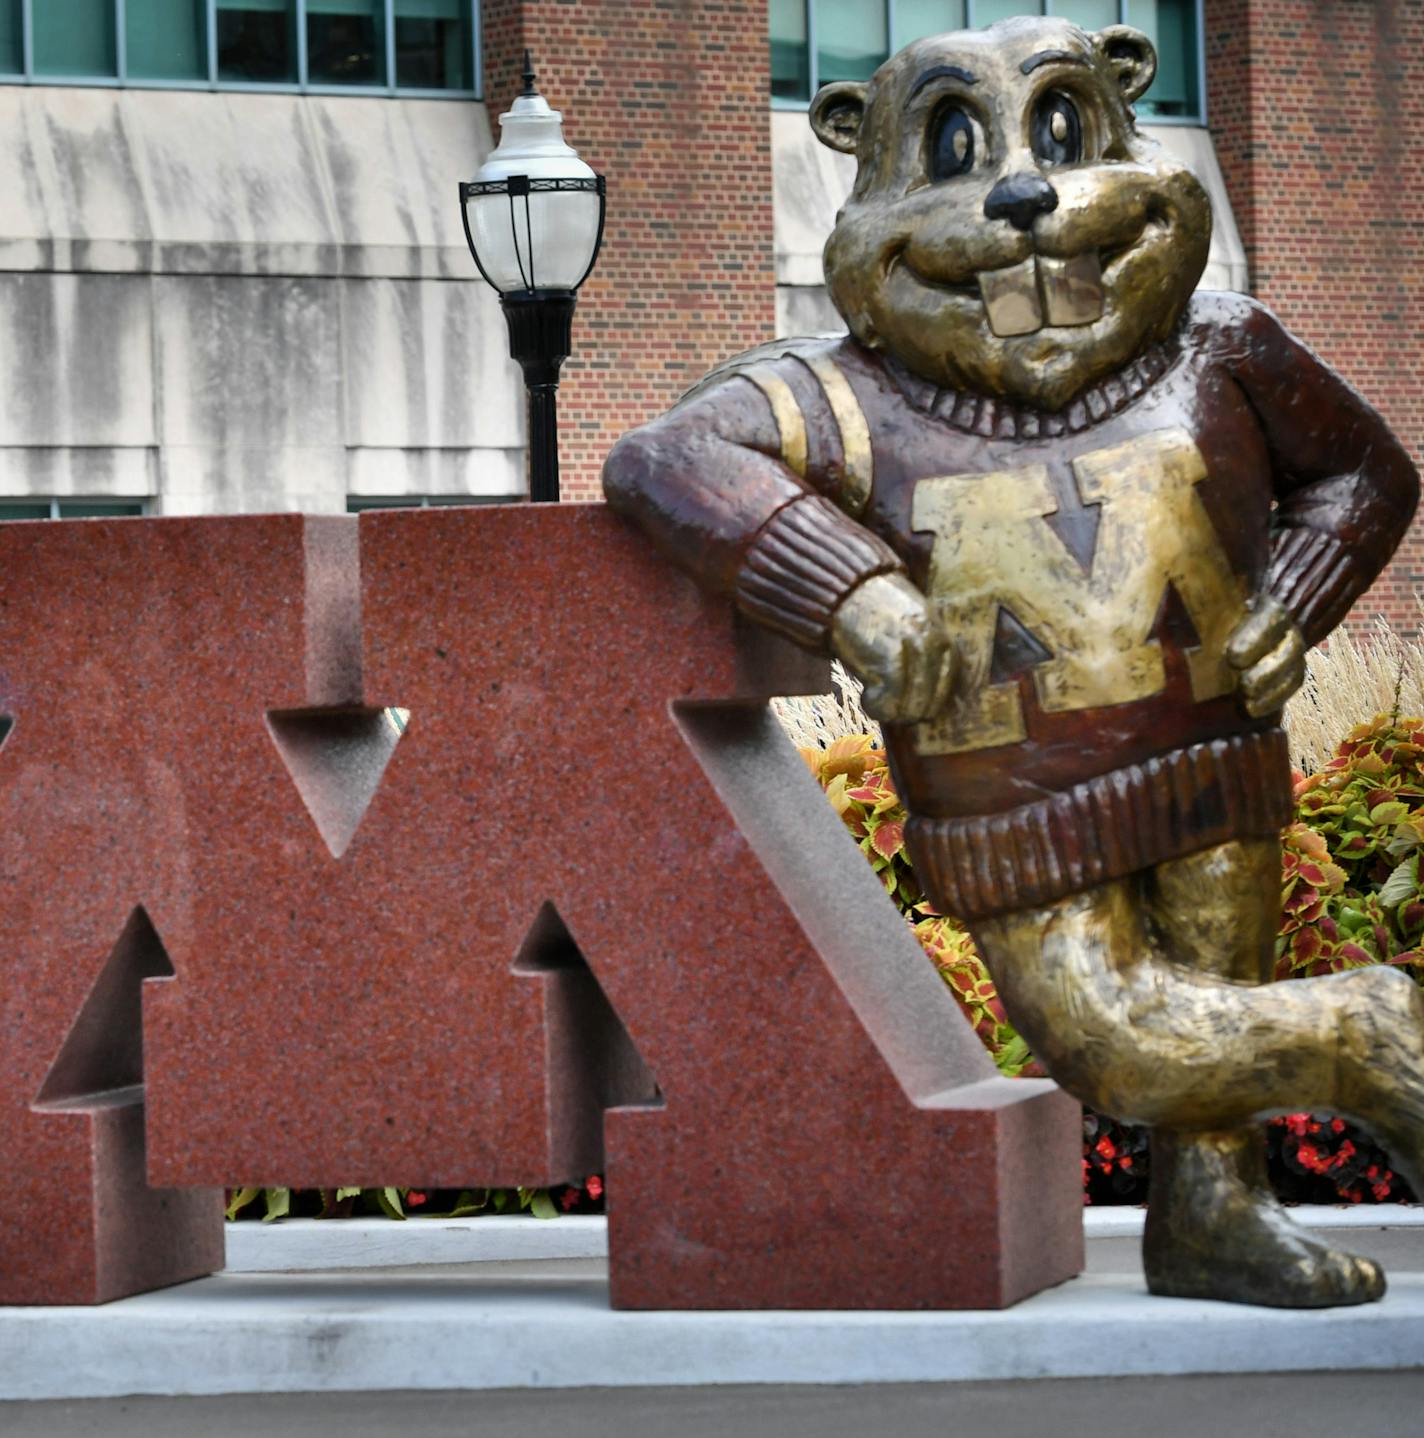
(69, 508)
(433, 50)
(1172, 24)
(986, 12)
(257, 41)
(415, 45)
(12, 55)
(165, 40)
(851, 39)
(74, 37)
(790, 54)
(363, 503)
(1088, 14)
(99, 508)
(346, 42)
(917, 18)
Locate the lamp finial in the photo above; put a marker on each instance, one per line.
(528, 76)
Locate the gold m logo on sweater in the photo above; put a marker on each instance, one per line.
(993, 551)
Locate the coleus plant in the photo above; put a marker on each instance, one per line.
(1352, 861)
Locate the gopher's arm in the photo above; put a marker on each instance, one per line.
(1344, 485)
(708, 485)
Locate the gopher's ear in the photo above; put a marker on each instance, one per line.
(1131, 56)
(836, 113)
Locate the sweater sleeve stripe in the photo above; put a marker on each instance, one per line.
(858, 459)
(790, 422)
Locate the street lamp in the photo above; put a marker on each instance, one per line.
(534, 219)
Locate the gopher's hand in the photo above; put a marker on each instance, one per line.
(884, 634)
(1269, 650)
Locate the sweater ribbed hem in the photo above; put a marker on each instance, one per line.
(802, 563)
(1105, 828)
(1315, 577)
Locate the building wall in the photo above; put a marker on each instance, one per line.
(1317, 108)
(668, 99)
(245, 302)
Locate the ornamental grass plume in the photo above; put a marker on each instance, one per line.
(1349, 681)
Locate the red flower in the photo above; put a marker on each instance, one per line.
(594, 1187)
(1106, 1147)
(568, 1198)
(415, 1199)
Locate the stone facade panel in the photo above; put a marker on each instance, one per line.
(75, 351)
(426, 364)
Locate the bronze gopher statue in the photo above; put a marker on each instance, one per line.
(1074, 526)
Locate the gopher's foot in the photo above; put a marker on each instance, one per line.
(1215, 1231)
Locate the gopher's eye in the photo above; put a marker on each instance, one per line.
(951, 144)
(1057, 131)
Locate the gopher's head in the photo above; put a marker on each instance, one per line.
(1010, 231)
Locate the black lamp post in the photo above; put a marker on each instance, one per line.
(534, 219)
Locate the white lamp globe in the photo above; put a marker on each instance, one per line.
(535, 210)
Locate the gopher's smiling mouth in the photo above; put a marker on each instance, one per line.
(1023, 298)
(1038, 292)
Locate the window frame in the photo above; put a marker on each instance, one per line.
(381, 503)
(124, 81)
(780, 102)
(56, 503)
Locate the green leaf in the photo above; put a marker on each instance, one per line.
(240, 1200)
(1401, 884)
(1390, 812)
(467, 1204)
(390, 1202)
(342, 1194)
(542, 1206)
(279, 1204)
(1013, 1056)
(501, 1199)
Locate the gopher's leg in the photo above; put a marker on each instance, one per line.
(1214, 1229)
(1126, 1029)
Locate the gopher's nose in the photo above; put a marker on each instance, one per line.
(1021, 199)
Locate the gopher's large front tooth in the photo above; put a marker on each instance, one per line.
(1011, 299)
(1072, 289)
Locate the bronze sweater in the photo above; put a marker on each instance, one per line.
(1091, 565)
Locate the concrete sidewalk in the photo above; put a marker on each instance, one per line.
(1263, 1405)
(529, 1346)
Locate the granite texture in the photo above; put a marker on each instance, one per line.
(592, 875)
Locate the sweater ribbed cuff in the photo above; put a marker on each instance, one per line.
(802, 563)
(1316, 578)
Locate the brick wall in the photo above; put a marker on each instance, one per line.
(668, 99)
(1317, 109)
